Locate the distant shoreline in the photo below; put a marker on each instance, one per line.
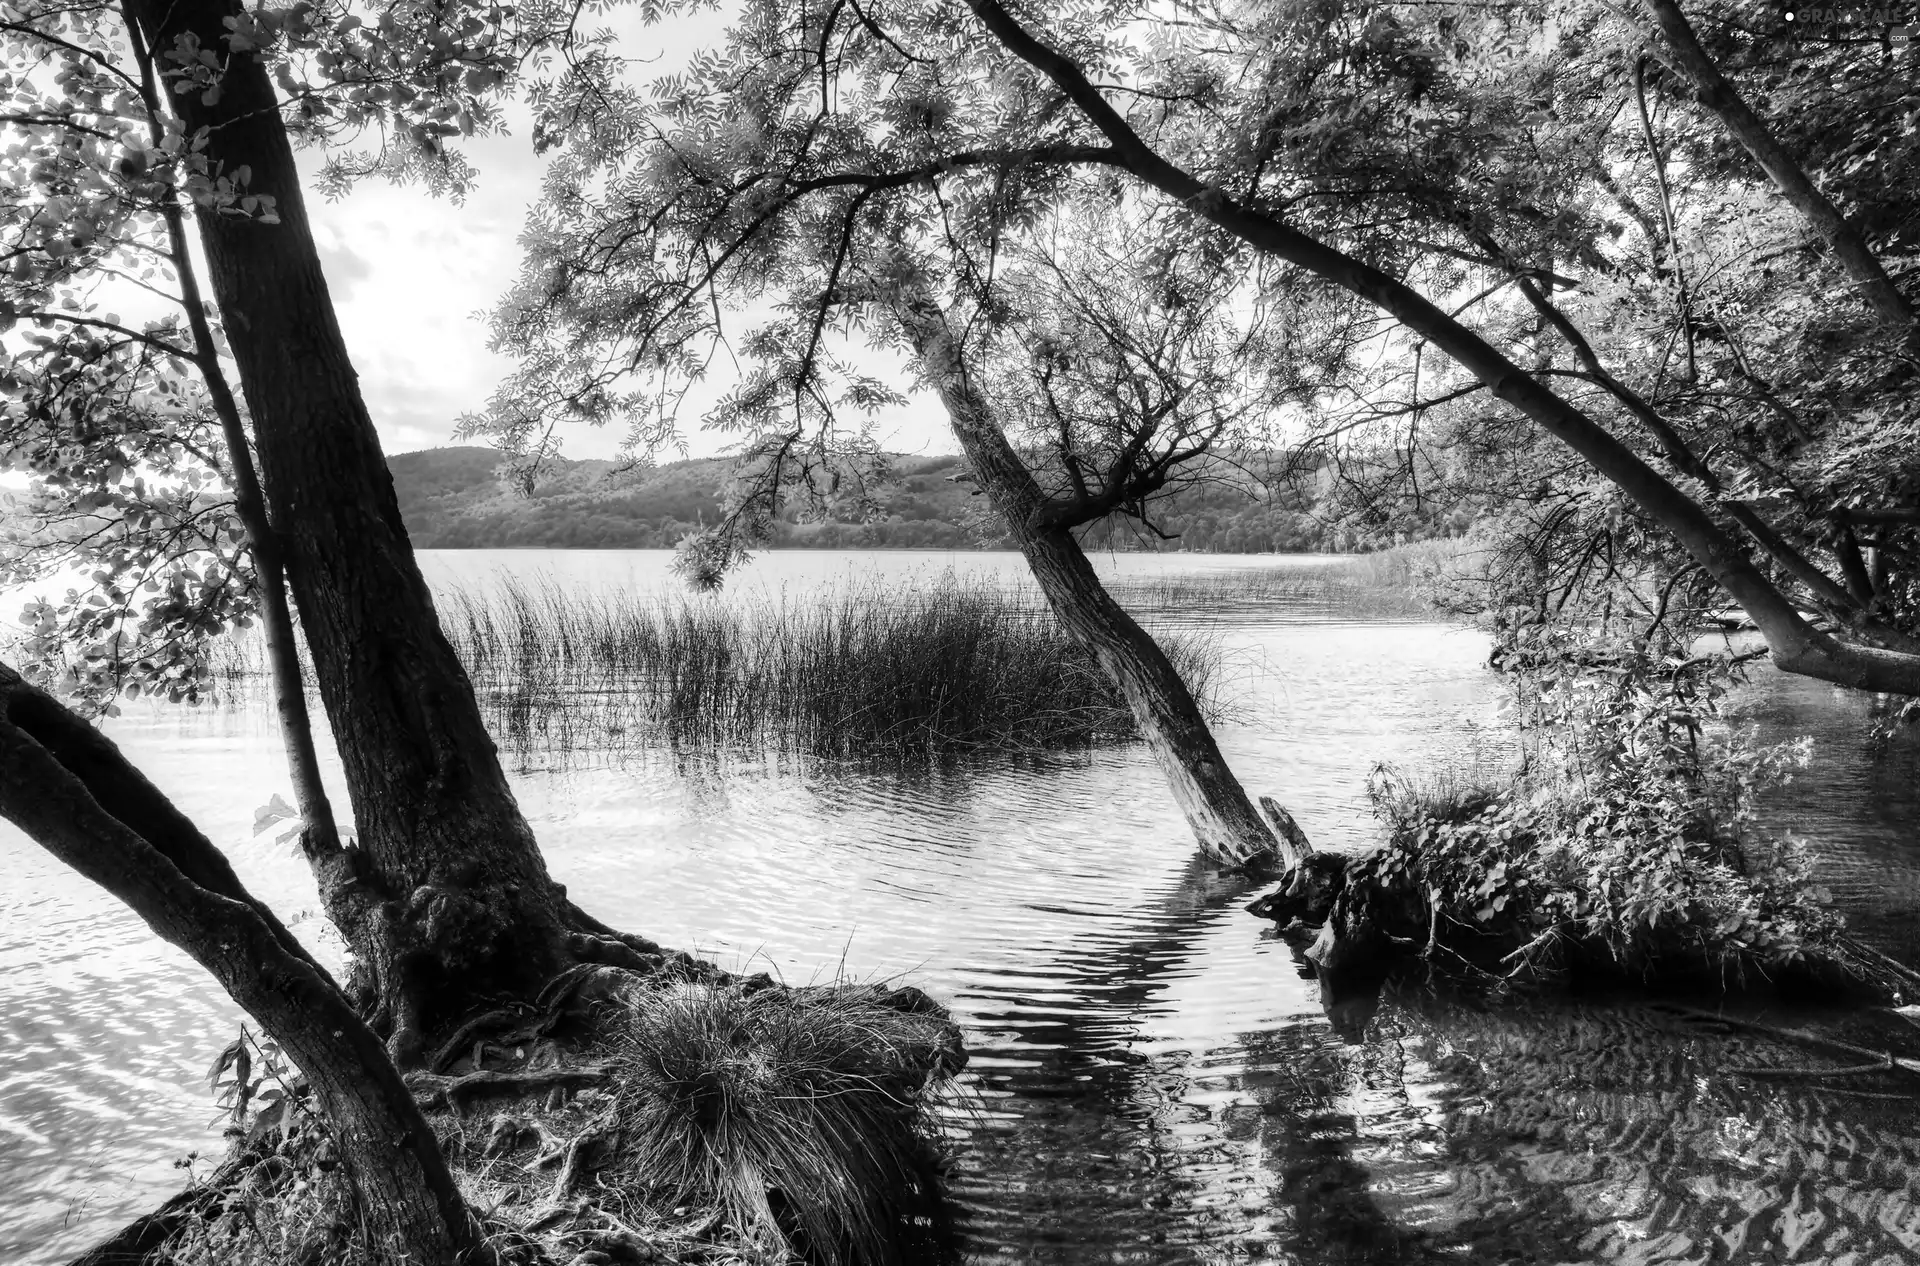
(453, 498)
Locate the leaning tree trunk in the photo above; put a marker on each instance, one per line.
(1224, 821)
(1717, 93)
(446, 897)
(68, 787)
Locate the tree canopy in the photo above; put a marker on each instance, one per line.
(1534, 245)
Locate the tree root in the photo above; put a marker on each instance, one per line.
(431, 1090)
(549, 1008)
(1893, 976)
(552, 1215)
(1851, 1070)
(1884, 1061)
(467, 1034)
(576, 1160)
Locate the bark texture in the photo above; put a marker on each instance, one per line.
(283, 652)
(84, 803)
(446, 896)
(1223, 819)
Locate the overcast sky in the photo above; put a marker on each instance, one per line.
(412, 277)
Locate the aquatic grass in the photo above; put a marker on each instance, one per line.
(1390, 584)
(802, 1115)
(867, 671)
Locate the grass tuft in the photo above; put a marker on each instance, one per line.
(800, 1114)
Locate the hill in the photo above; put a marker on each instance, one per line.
(452, 498)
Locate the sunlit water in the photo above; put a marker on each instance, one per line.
(1153, 1081)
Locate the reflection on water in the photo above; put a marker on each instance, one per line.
(1153, 1081)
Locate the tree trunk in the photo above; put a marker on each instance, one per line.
(81, 801)
(1224, 821)
(446, 896)
(283, 655)
(1747, 127)
(1796, 646)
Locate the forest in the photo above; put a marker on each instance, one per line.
(1587, 329)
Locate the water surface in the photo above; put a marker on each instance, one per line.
(1154, 1081)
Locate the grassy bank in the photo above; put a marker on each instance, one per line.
(866, 671)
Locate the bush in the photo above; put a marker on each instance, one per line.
(1628, 838)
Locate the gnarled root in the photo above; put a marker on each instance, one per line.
(431, 1090)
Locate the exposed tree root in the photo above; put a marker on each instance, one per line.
(1869, 963)
(468, 1034)
(577, 1158)
(431, 1090)
(534, 1161)
(1851, 1070)
(1883, 1061)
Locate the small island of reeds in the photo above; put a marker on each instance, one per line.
(952, 666)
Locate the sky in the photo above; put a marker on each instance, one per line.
(413, 276)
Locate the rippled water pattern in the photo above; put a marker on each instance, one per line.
(1153, 1080)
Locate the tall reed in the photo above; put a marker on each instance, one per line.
(864, 671)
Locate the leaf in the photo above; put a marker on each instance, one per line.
(225, 1060)
(274, 810)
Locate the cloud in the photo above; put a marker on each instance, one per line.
(344, 267)
(412, 276)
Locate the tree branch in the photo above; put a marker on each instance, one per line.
(1714, 91)
(1797, 646)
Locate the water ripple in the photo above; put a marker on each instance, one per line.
(1153, 1081)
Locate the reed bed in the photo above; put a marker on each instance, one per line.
(1390, 584)
(866, 671)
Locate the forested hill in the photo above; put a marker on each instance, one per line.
(452, 499)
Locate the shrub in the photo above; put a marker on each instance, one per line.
(1629, 834)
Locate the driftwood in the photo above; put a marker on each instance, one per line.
(1348, 957)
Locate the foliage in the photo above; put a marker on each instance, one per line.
(121, 502)
(1529, 185)
(1631, 833)
(105, 422)
(141, 535)
(798, 1112)
(289, 1201)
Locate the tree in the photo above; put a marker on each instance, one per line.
(1705, 327)
(967, 120)
(68, 787)
(1850, 246)
(1223, 818)
(123, 425)
(1129, 412)
(443, 894)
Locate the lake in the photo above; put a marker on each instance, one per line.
(1153, 1081)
